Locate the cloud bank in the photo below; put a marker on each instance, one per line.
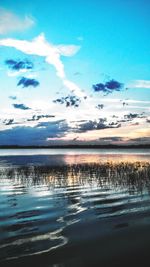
(25, 135)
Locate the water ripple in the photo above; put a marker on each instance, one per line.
(43, 208)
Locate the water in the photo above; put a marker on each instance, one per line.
(77, 151)
(72, 208)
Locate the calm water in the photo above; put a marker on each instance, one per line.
(71, 208)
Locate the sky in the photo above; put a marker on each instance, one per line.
(74, 72)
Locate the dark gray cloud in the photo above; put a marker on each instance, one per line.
(96, 125)
(20, 106)
(8, 122)
(33, 135)
(123, 120)
(38, 117)
(79, 121)
(114, 124)
(68, 101)
(100, 106)
(124, 103)
(114, 116)
(132, 116)
(87, 126)
(17, 65)
(26, 82)
(108, 87)
(33, 118)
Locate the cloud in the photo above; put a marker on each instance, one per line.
(69, 50)
(108, 87)
(20, 106)
(132, 116)
(26, 82)
(17, 65)
(52, 54)
(12, 97)
(124, 103)
(73, 88)
(69, 101)
(34, 118)
(100, 106)
(38, 117)
(140, 84)
(10, 22)
(96, 125)
(99, 87)
(113, 85)
(88, 126)
(33, 135)
(9, 122)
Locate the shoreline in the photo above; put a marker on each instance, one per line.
(79, 147)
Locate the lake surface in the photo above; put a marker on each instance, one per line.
(67, 208)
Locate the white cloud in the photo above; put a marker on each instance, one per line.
(68, 50)
(73, 87)
(52, 53)
(32, 75)
(117, 100)
(10, 22)
(16, 73)
(140, 84)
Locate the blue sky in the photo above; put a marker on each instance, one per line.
(52, 56)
